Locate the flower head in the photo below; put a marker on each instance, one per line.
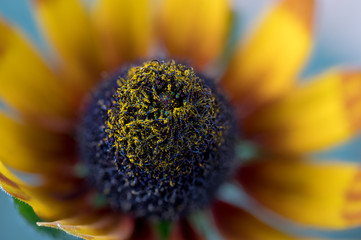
(160, 138)
(161, 133)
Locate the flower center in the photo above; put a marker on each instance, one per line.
(158, 140)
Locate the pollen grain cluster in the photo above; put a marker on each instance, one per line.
(163, 117)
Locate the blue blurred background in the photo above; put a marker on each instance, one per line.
(338, 38)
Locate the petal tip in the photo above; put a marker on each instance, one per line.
(303, 9)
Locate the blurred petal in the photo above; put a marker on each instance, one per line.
(267, 65)
(96, 226)
(126, 28)
(195, 30)
(184, 231)
(70, 31)
(320, 114)
(45, 204)
(26, 83)
(234, 223)
(143, 230)
(31, 149)
(323, 194)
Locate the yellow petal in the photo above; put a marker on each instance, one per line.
(69, 28)
(26, 83)
(12, 187)
(43, 202)
(31, 149)
(96, 225)
(234, 223)
(266, 66)
(321, 194)
(195, 30)
(126, 28)
(322, 113)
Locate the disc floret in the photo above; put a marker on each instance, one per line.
(158, 140)
(163, 119)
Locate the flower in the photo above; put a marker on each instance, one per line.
(284, 119)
